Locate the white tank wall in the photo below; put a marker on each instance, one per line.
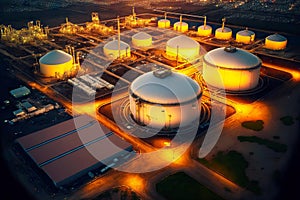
(112, 53)
(181, 27)
(235, 80)
(184, 53)
(207, 31)
(142, 42)
(275, 45)
(164, 23)
(54, 70)
(152, 115)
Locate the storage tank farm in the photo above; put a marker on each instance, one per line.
(238, 69)
(157, 102)
(55, 63)
(245, 36)
(181, 26)
(182, 48)
(223, 33)
(164, 23)
(275, 42)
(204, 30)
(142, 39)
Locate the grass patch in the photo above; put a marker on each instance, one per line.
(257, 125)
(181, 186)
(275, 146)
(287, 120)
(232, 165)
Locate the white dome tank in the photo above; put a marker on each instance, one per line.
(159, 103)
(236, 68)
(164, 23)
(142, 39)
(188, 49)
(245, 36)
(55, 63)
(275, 42)
(111, 49)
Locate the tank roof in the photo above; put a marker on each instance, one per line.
(172, 88)
(55, 57)
(113, 45)
(277, 37)
(182, 42)
(245, 32)
(226, 30)
(141, 36)
(232, 58)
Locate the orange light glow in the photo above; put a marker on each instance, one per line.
(294, 73)
(135, 182)
(167, 144)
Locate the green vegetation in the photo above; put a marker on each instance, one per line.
(232, 165)
(287, 120)
(122, 192)
(181, 186)
(275, 146)
(257, 125)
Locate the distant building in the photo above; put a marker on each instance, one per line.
(20, 92)
(66, 152)
(28, 106)
(19, 112)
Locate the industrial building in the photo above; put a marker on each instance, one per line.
(71, 149)
(142, 39)
(245, 36)
(56, 63)
(231, 68)
(275, 42)
(20, 92)
(163, 99)
(182, 48)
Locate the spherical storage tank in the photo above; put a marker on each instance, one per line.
(245, 36)
(204, 30)
(165, 99)
(55, 63)
(142, 39)
(186, 47)
(111, 49)
(231, 68)
(164, 23)
(275, 42)
(223, 33)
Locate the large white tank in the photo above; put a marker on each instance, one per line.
(111, 49)
(245, 36)
(181, 26)
(275, 42)
(165, 99)
(55, 63)
(142, 39)
(188, 49)
(204, 30)
(238, 69)
(164, 23)
(223, 33)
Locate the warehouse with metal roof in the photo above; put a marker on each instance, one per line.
(71, 149)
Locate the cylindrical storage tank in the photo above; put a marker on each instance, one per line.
(157, 102)
(142, 39)
(223, 34)
(245, 36)
(231, 68)
(111, 49)
(275, 42)
(55, 63)
(164, 23)
(181, 27)
(185, 47)
(204, 30)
